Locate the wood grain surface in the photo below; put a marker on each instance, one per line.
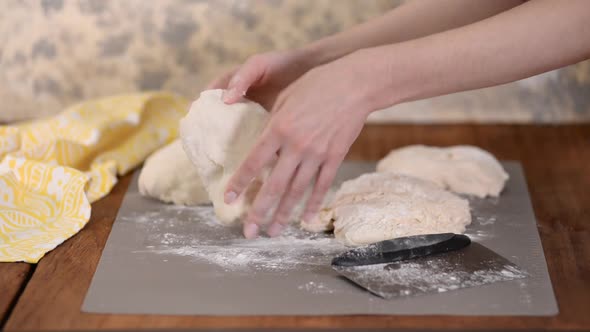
(13, 277)
(556, 163)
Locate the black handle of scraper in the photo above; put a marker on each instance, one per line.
(403, 248)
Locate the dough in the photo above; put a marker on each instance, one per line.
(169, 176)
(321, 223)
(462, 169)
(380, 206)
(217, 137)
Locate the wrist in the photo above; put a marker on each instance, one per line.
(381, 77)
(319, 52)
(368, 74)
(301, 60)
(352, 77)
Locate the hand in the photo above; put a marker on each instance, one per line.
(313, 124)
(262, 77)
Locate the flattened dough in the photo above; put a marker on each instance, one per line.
(169, 176)
(217, 138)
(463, 169)
(380, 206)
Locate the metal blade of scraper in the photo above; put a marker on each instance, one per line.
(402, 248)
(473, 266)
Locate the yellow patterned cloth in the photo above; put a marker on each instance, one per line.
(52, 169)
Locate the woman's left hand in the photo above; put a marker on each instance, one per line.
(313, 124)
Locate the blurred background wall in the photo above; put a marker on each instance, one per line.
(57, 52)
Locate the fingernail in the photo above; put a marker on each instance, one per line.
(226, 96)
(230, 96)
(275, 229)
(251, 230)
(230, 197)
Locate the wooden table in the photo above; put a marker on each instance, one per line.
(556, 160)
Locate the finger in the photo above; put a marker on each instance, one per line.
(301, 181)
(272, 189)
(321, 187)
(222, 82)
(250, 73)
(262, 154)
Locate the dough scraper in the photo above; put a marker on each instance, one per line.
(423, 264)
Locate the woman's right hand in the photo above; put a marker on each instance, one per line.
(263, 76)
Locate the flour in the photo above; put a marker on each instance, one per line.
(478, 236)
(263, 254)
(205, 240)
(485, 220)
(428, 276)
(316, 288)
(183, 214)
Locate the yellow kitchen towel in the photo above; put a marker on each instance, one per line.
(52, 169)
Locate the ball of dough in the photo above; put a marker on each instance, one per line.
(217, 137)
(381, 206)
(169, 176)
(462, 169)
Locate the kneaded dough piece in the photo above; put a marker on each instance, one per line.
(324, 222)
(381, 206)
(321, 223)
(169, 176)
(217, 137)
(463, 169)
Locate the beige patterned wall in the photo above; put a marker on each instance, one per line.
(57, 52)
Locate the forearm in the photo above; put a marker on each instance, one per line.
(535, 37)
(415, 19)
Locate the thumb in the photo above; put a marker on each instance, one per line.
(248, 75)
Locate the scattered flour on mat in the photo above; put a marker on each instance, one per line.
(316, 288)
(485, 220)
(193, 232)
(481, 231)
(478, 235)
(169, 213)
(276, 254)
(433, 275)
(483, 217)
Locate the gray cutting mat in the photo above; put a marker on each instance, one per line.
(164, 259)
